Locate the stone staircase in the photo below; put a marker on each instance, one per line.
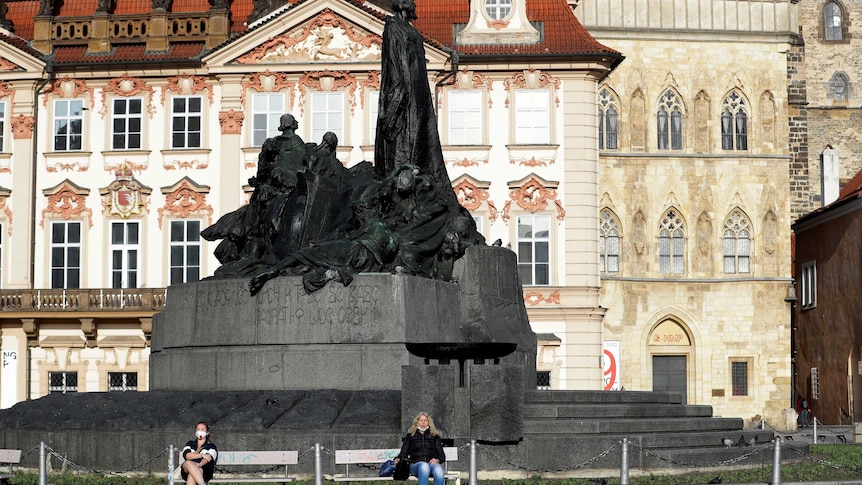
(563, 430)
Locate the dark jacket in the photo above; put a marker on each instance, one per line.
(422, 447)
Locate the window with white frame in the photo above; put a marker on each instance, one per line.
(832, 21)
(65, 254)
(127, 116)
(809, 284)
(739, 378)
(62, 382)
(737, 243)
(266, 111)
(185, 251)
(479, 219)
(2, 125)
(373, 109)
(327, 114)
(609, 242)
(122, 381)
(125, 253)
(186, 122)
(498, 9)
(534, 249)
(532, 117)
(68, 125)
(669, 121)
(734, 122)
(671, 244)
(608, 118)
(465, 117)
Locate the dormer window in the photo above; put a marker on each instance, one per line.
(498, 9)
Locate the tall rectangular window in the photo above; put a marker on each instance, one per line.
(2, 125)
(186, 121)
(532, 117)
(185, 249)
(122, 381)
(125, 253)
(534, 249)
(373, 109)
(127, 121)
(327, 114)
(739, 378)
(68, 125)
(465, 117)
(809, 284)
(65, 254)
(62, 382)
(266, 111)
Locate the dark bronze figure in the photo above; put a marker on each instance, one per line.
(311, 217)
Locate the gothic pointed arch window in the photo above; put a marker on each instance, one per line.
(734, 122)
(609, 242)
(669, 119)
(608, 120)
(737, 243)
(833, 21)
(838, 87)
(671, 243)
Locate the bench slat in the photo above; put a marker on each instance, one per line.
(257, 458)
(352, 457)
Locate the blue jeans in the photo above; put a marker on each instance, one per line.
(421, 470)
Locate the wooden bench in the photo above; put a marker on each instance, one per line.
(11, 458)
(367, 457)
(250, 458)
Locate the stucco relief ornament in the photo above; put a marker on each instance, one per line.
(326, 37)
(22, 126)
(231, 122)
(125, 194)
(469, 195)
(6, 65)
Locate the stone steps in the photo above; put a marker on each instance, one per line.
(614, 410)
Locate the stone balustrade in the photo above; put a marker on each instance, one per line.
(90, 299)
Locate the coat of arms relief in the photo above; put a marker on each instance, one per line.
(326, 37)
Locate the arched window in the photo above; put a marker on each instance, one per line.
(734, 122)
(671, 243)
(608, 128)
(609, 242)
(669, 120)
(737, 243)
(837, 89)
(833, 21)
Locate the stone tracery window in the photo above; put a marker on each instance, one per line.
(609, 242)
(737, 243)
(671, 243)
(734, 122)
(608, 121)
(669, 118)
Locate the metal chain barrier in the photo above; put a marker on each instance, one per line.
(68, 462)
(561, 470)
(32, 450)
(824, 462)
(730, 461)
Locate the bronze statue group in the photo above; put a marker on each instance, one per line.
(310, 216)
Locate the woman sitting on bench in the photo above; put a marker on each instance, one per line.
(200, 455)
(424, 448)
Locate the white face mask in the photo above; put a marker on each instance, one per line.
(201, 434)
(423, 429)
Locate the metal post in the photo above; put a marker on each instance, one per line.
(815, 430)
(776, 463)
(171, 465)
(624, 466)
(43, 465)
(318, 465)
(474, 466)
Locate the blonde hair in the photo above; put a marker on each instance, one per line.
(431, 427)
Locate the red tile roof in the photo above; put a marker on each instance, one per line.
(563, 33)
(21, 15)
(853, 188)
(128, 53)
(20, 43)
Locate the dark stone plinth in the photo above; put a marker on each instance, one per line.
(350, 338)
(429, 388)
(496, 403)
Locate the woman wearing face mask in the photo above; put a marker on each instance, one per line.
(200, 455)
(424, 448)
